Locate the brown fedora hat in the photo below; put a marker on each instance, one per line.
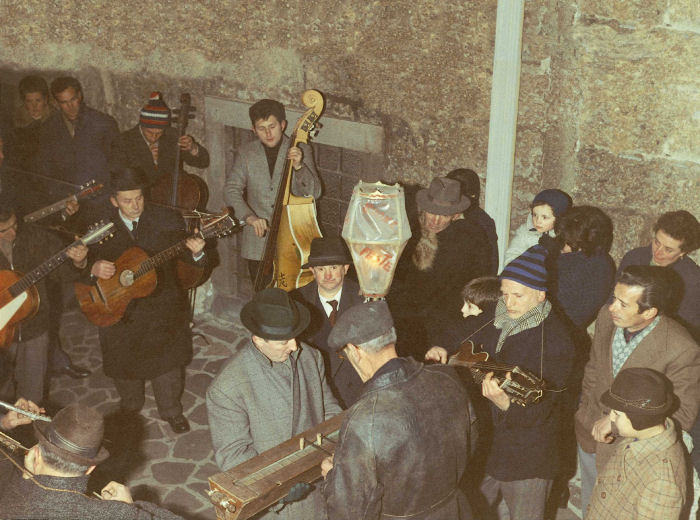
(272, 314)
(327, 251)
(443, 197)
(639, 391)
(74, 434)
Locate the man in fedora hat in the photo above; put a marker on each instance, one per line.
(57, 470)
(327, 297)
(152, 341)
(405, 444)
(646, 476)
(439, 260)
(271, 389)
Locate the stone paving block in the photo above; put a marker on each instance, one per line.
(172, 472)
(206, 470)
(198, 383)
(199, 415)
(214, 367)
(155, 450)
(195, 445)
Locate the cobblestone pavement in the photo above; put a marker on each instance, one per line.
(155, 463)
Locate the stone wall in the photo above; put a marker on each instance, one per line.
(608, 94)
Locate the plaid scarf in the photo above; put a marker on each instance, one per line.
(510, 326)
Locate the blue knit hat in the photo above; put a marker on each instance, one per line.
(559, 201)
(528, 269)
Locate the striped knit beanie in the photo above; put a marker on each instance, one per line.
(156, 113)
(528, 269)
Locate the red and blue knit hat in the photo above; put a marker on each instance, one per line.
(528, 269)
(156, 113)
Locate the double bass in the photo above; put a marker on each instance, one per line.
(181, 190)
(293, 225)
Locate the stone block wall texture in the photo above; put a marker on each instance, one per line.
(608, 92)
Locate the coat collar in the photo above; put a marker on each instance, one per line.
(393, 372)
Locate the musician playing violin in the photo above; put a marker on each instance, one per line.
(23, 247)
(256, 173)
(152, 341)
(151, 145)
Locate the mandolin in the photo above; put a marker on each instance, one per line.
(86, 190)
(19, 298)
(293, 224)
(523, 387)
(105, 302)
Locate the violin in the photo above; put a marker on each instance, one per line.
(181, 190)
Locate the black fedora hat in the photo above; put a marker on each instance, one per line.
(272, 314)
(443, 197)
(327, 251)
(127, 179)
(74, 434)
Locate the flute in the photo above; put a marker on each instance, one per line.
(31, 415)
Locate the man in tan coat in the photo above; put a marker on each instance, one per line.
(633, 332)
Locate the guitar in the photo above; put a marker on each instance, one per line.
(105, 302)
(86, 190)
(19, 298)
(523, 387)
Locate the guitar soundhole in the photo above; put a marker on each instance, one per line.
(126, 278)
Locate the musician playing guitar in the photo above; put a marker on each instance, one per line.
(153, 340)
(23, 248)
(256, 172)
(524, 458)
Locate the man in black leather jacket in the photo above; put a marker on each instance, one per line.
(404, 445)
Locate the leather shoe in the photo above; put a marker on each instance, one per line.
(178, 423)
(73, 371)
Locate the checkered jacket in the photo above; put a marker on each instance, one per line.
(644, 480)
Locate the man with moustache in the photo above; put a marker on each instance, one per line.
(633, 331)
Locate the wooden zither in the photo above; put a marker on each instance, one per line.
(262, 481)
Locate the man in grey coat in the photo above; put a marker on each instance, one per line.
(256, 172)
(271, 389)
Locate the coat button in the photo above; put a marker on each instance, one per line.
(603, 495)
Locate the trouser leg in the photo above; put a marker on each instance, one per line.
(131, 394)
(167, 389)
(526, 499)
(30, 364)
(589, 473)
(487, 503)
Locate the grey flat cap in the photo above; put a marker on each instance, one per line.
(361, 323)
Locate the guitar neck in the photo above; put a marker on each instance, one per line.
(159, 259)
(41, 271)
(48, 210)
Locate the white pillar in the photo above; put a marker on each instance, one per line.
(505, 85)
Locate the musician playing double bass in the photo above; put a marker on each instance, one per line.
(523, 460)
(151, 145)
(152, 341)
(256, 173)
